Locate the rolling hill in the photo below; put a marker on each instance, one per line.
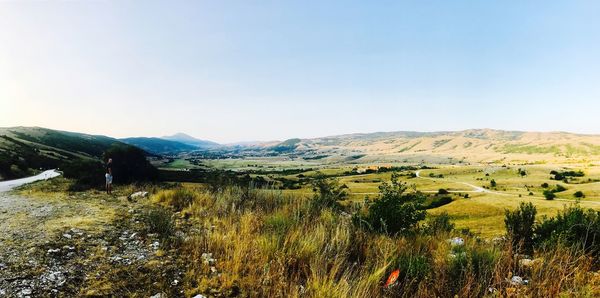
(476, 145)
(159, 146)
(26, 149)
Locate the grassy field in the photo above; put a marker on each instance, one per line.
(481, 212)
(185, 239)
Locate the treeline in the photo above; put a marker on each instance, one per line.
(129, 166)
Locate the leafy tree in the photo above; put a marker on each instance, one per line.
(545, 185)
(493, 183)
(579, 194)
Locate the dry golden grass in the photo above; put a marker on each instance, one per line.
(267, 244)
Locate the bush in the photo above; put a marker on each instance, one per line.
(549, 195)
(559, 188)
(579, 194)
(327, 192)
(439, 224)
(545, 185)
(519, 226)
(158, 221)
(395, 212)
(442, 191)
(574, 227)
(493, 183)
(437, 202)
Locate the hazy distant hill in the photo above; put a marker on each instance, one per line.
(476, 145)
(158, 145)
(23, 149)
(189, 140)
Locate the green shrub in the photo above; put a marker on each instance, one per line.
(549, 195)
(436, 202)
(442, 191)
(519, 226)
(86, 173)
(574, 227)
(395, 212)
(559, 188)
(545, 185)
(327, 193)
(439, 224)
(579, 194)
(493, 183)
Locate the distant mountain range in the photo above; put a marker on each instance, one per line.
(25, 148)
(174, 144)
(159, 146)
(189, 140)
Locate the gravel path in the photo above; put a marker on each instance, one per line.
(10, 184)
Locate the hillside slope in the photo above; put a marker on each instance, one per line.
(26, 149)
(477, 145)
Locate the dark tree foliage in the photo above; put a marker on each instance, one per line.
(549, 195)
(130, 164)
(519, 226)
(573, 226)
(87, 174)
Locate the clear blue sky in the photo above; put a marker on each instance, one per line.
(262, 70)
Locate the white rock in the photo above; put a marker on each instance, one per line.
(68, 236)
(26, 291)
(199, 296)
(457, 241)
(517, 281)
(139, 194)
(158, 295)
(53, 250)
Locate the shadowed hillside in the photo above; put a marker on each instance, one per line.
(25, 150)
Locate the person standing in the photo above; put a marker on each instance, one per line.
(109, 176)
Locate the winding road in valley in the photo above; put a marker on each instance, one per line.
(479, 189)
